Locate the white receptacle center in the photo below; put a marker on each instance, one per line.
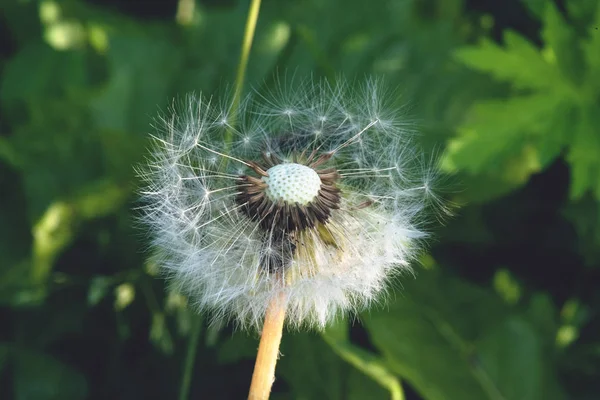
(292, 183)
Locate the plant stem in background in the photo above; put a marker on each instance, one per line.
(246, 46)
(268, 350)
(244, 56)
(190, 357)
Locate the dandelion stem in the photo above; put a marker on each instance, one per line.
(268, 350)
(190, 357)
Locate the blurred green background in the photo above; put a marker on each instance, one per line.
(506, 303)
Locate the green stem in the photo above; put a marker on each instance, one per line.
(190, 357)
(244, 56)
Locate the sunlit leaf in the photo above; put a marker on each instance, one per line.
(583, 155)
(426, 339)
(497, 129)
(56, 229)
(519, 62)
(561, 41)
(591, 48)
(424, 345)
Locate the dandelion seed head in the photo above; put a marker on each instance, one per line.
(319, 195)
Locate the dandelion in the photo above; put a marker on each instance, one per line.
(310, 209)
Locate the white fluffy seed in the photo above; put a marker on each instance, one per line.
(292, 183)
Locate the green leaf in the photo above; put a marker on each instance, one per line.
(584, 215)
(99, 199)
(497, 130)
(436, 333)
(511, 357)
(9, 154)
(583, 155)
(57, 227)
(141, 70)
(517, 353)
(591, 49)
(519, 63)
(508, 140)
(38, 71)
(536, 7)
(313, 371)
(359, 387)
(40, 377)
(562, 45)
(238, 347)
(208, 41)
(362, 360)
(582, 12)
(542, 313)
(426, 337)
(15, 237)
(51, 234)
(310, 367)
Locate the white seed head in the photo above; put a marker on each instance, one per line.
(320, 195)
(292, 183)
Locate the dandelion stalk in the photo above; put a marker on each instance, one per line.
(268, 350)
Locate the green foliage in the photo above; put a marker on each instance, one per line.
(495, 353)
(337, 337)
(508, 309)
(551, 106)
(322, 375)
(38, 376)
